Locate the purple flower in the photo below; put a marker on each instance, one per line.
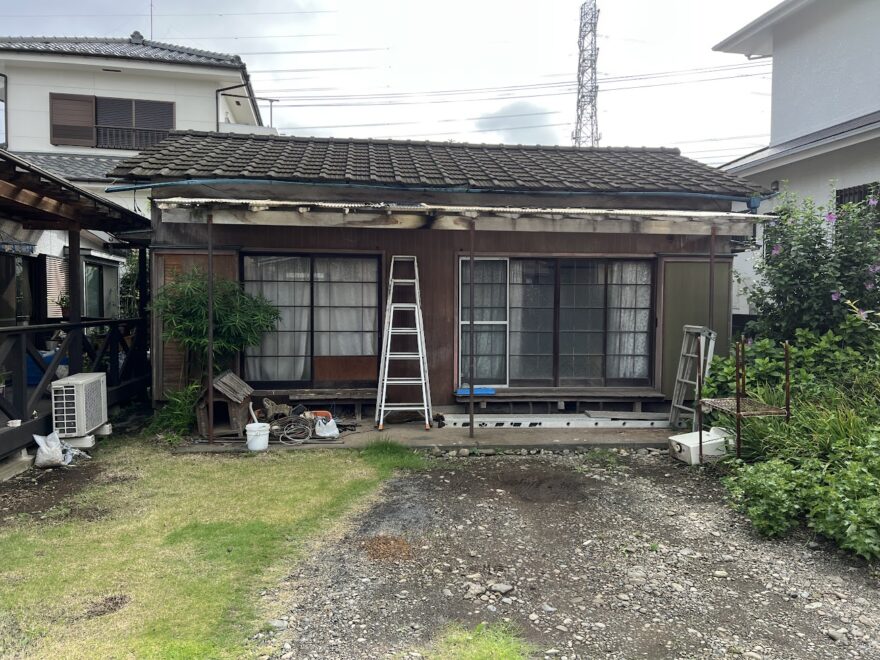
(777, 249)
(863, 314)
(872, 201)
(870, 286)
(874, 269)
(831, 217)
(835, 296)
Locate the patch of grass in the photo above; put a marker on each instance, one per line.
(183, 550)
(485, 642)
(386, 456)
(602, 458)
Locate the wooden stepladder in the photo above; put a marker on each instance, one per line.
(686, 376)
(404, 363)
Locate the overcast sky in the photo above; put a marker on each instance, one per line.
(470, 70)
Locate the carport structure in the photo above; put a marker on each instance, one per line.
(37, 200)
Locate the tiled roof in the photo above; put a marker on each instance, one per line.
(439, 165)
(73, 167)
(134, 48)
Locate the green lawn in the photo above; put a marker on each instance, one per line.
(184, 541)
(485, 642)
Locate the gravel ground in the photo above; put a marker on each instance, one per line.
(611, 555)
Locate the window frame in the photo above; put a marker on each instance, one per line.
(134, 127)
(606, 381)
(462, 323)
(312, 256)
(4, 143)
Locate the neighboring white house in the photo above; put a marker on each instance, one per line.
(825, 115)
(76, 106)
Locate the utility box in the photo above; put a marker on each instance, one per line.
(686, 446)
(79, 404)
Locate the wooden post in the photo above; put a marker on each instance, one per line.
(75, 293)
(473, 342)
(712, 277)
(143, 289)
(210, 326)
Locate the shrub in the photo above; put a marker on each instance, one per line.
(178, 415)
(814, 259)
(240, 319)
(770, 494)
(846, 507)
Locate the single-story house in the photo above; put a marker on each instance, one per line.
(588, 260)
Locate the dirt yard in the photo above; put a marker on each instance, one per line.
(586, 555)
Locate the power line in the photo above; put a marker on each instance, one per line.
(259, 36)
(224, 13)
(314, 52)
(283, 104)
(410, 123)
(327, 68)
(477, 130)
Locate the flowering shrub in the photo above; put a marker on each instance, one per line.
(816, 259)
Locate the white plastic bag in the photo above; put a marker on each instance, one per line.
(326, 428)
(53, 452)
(50, 453)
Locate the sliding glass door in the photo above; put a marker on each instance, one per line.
(329, 316)
(558, 322)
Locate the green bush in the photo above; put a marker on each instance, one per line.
(240, 319)
(178, 415)
(822, 467)
(770, 494)
(815, 259)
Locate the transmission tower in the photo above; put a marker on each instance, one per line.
(586, 129)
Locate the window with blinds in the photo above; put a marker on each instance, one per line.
(132, 123)
(109, 123)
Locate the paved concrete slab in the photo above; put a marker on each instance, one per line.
(414, 435)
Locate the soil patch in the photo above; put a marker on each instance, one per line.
(387, 548)
(36, 491)
(588, 557)
(107, 605)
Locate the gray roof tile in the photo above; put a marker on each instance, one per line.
(514, 168)
(73, 167)
(134, 47)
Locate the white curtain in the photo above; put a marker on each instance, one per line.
(346, 297)
(629, 310)
(490, 321)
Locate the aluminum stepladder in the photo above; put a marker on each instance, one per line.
(686, 376)
(412, 326)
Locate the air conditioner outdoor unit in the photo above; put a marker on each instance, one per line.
(79, 404)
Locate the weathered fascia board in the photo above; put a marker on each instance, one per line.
(304, 218)
(552, 223)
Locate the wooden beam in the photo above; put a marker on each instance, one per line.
(28, 199)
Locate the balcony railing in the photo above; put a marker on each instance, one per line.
(111, 137)
(118, 347)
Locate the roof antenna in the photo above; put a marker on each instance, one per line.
(151, 20)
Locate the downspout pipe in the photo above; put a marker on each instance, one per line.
(753, 202)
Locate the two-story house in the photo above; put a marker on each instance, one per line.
(76, 107)
(825, 115)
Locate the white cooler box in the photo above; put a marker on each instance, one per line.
(686, 446)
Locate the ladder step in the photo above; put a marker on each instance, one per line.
(404, 406)
(404, 356)
(410, 306)
(404, 381)
(681, 407)
(403, 281)
(685, 380)
(404, 331)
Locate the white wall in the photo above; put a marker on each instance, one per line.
(815, 178)
(29, 89)
(826, 60)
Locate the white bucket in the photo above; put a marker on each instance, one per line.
(257, 436)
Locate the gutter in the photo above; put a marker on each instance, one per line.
(753, 202)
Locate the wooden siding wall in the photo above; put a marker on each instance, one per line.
(437, 252)
(168, 366)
